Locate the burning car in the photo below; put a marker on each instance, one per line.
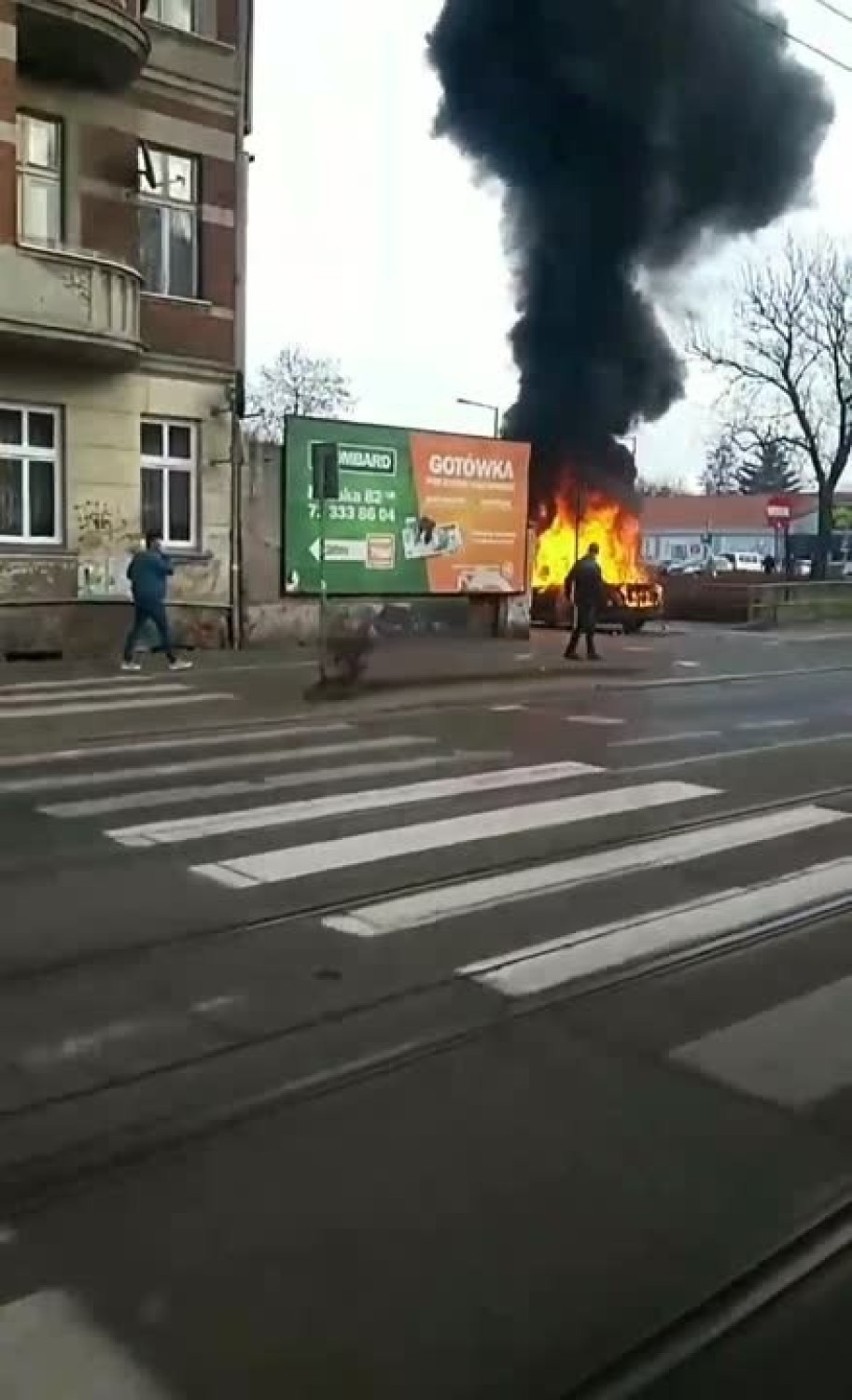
(631, 599)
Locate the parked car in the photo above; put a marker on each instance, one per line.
(714, 564)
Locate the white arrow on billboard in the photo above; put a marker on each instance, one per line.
(340, 551)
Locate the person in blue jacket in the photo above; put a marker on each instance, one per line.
(149, 572)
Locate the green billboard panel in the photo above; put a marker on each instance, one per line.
(417, 513)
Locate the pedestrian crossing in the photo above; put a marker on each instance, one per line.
(445, 840)
(93, 695)
(52, 1346)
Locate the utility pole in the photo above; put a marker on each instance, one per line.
(236, 404)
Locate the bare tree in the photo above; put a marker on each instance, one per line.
(664, 486)
(296, 382)
(789, 367)
(719, 477)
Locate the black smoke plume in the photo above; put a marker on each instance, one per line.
(624, 132)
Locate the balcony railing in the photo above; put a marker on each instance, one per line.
(89, 43)
(69, 303)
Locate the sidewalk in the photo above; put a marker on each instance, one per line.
(50, 705)
(47, 705)
(428, 662)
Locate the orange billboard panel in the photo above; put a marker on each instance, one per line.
(472, 496)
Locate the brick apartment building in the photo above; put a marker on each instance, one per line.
(122, 220)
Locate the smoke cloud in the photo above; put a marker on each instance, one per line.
(623, 131)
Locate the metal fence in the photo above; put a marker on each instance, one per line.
(798, 604)
(744, 601)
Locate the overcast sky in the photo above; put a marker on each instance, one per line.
(369, 241)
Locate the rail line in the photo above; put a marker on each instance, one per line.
(797, 1261)
(130, 952)
(30, 1182)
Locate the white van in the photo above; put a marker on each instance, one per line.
(746, 563)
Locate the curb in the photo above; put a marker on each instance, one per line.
(335, 693)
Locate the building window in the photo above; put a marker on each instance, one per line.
(168, 222)
(169, 481)
(39, 172)
(177, 14)
(29, 475)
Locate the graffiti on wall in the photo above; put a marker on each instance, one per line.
(105, 544)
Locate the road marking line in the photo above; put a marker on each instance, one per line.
(602, 720)
(770, 724)
(613, 946)
(51, 1347)
(506, 709)
(497, 823)
(243, 787)
(215, 740)
(451, 901)
(75, 1047)
(212, 1005)
(172, 833)
(114, 776)
(85, 1044)
(227, 878)
(718, 678)
(54, 700)
(117, 679)
(779, 744)
(687, 736)
(689, 665)
(795, 1054)
(47, 711)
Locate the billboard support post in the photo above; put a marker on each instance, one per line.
(323, 599)
(325, 486)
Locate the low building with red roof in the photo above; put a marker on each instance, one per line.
(688, 527)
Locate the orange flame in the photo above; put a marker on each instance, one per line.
(602, 522)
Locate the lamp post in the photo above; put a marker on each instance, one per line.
(491, 407)
(579, 510)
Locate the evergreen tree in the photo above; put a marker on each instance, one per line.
(768, 471)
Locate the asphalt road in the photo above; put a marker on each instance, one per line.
(456, 1051)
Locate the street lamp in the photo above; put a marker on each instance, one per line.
(491, 407)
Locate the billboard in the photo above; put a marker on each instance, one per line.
(418, 512)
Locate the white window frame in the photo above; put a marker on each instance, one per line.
(26, 175)
(162, 12)
(24, 453)
(166, 466)
(167, 205)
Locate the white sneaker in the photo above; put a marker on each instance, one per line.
(130, 666)
(180, 665)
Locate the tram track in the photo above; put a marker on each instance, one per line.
(778, 1276)
(36, 1177)
(129, 952)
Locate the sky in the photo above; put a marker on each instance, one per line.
(370, 241)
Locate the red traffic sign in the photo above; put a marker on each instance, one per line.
(779, 510)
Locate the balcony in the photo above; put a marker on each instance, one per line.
(89, 43)
(69, 306)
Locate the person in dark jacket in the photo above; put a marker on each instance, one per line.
(585, 586)
(149, 572)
